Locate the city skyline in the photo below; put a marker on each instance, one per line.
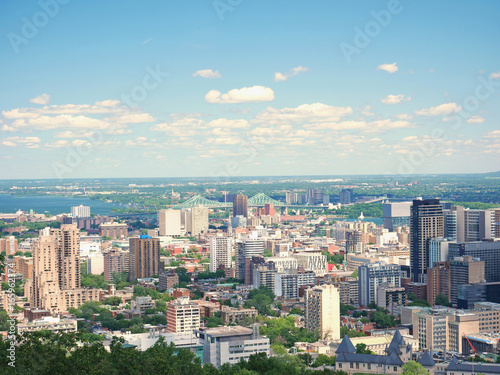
(173, 90)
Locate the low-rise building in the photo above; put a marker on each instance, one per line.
(48, 323)
(231, 344)
(232, 315)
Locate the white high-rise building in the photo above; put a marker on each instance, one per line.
(95, 264)
(220, 252)
(169, 222)
(195, 220)
(80, 211)
(322, 311)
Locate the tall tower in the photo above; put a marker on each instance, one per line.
(56, 266)
(322, 311)
(426, 222)
(220, 252)
(240, 205)
(144, 257)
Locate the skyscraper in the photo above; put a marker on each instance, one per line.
(322, 311)
(346, 196)
(371, 276)
(220, 252)
(144, 257)
(426, 221)
(245, 250)
(55, 282)
(169, 222)
(240, 205)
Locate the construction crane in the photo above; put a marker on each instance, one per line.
(475, 353)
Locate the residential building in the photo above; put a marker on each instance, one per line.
(80, 211)
(169, 222)
(141, 304)
(372, 275)
(221, 249)
(183, 316)
(240, 205)
(195, 220)
(438, 281)
(322, 311)
(285, 285)
(391, 298)
(8, 245)
(144, 257)
(115, 261)
(245, 250)
(263, 275)
(114, 230)
(48, 323)
(231, 344)
(426, 221)
(167, 280)
(232, 315)
(95, 264)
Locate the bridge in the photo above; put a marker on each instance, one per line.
(258, 200)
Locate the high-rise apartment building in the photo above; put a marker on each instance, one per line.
(80, 211)
(220, 252)
(240, 205)
(55, 282)
(372, 276)
(245, 250)
(115, 261)
(438, 281)
(195, 220)
(144, 257)
(169, 222)
(183, 316)
(8, 245)
(322, 311)
(426, 221)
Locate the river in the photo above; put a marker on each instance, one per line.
(51, 204)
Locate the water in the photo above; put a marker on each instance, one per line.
(51, 205)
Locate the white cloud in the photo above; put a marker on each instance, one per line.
(133, 118)
(440, 110)
(226, 123)
(316, 112)
(243, 95)
(404, 116)
(28, 142)
(395, 99)
(181, 127)
(495, 75)
(476, 120)
(493, 134)
(108, 103)
(41, 99)
(224, 140)
(72, 134)
(207, 73)
(389, 68)
(278, 77)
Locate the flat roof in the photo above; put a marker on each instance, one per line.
(227, 331)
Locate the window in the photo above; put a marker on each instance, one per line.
(340, 365)
(395, 369)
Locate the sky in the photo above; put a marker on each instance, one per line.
(248, 88)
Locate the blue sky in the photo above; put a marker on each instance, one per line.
(232, 88)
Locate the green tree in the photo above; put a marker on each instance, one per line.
(442, 300)
(279, 349)
(362, 349)
(296, 311)
(414, 368)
